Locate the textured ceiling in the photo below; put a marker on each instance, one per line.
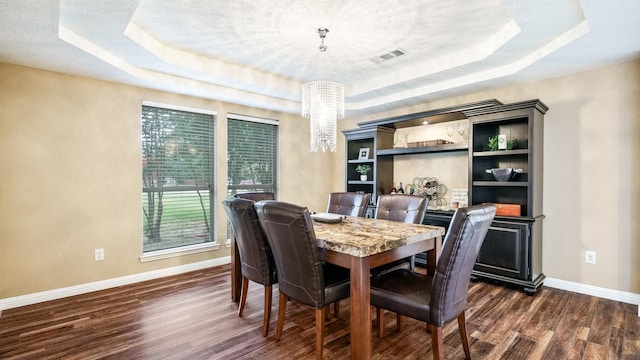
(258, 53)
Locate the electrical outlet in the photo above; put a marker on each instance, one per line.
(590, 257)
(98, 254)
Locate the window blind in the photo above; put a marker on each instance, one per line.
(177, 177)
(252, 147)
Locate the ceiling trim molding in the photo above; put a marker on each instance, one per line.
(222, 93)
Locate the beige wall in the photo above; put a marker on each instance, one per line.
(70, 160)
(71, 177)
(591, 171)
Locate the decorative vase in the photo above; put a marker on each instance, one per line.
(363, 177)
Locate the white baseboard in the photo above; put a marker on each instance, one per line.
(617, 295)
(35, 298)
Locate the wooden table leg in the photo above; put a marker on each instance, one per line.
(236, 271)
(360, 308)
(433, 255)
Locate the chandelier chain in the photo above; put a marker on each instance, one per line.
(323, 105)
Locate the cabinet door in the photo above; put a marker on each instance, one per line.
(505, 251)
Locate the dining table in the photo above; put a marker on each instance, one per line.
(360, 244)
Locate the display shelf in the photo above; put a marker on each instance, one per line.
(500, 153)
(381, 172)
(359, 182)
(423, 149)
(501, 183)
(360, 161)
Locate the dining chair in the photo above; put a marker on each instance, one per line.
(400, 207)
(404, 208)
(256, 196)
(302, 276)
(348, 203)
(440, 298)
(256, 260)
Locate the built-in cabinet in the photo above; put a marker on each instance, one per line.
(512, 251)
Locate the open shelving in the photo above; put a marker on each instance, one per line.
(512, 250)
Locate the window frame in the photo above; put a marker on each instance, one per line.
(232, 189)
(213, 244)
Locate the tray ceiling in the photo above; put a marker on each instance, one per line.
(259, 53)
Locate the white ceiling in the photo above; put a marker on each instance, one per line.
(258, 53)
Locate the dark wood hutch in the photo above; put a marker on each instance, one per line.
(512, 251)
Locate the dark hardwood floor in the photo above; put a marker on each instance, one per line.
(191, 316)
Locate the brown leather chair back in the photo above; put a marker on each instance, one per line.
(256, 196)
(289, 230)
(459, 253)
(348, 203)
(256, 260)
(404, 208)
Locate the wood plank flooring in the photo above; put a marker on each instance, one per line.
(191, 316)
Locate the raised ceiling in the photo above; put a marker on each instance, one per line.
(258, 53)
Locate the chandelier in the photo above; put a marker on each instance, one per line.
(323, 105)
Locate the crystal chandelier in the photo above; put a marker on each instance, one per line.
(323, 105)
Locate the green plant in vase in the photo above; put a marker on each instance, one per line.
(363, 170)
(493, 143)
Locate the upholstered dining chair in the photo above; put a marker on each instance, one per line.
(400, 207)
(256, 260)
(403, 208)
(302, 276)
(348, 203)
(440, 298)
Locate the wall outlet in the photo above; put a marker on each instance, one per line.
(98, 254)
(590, 257)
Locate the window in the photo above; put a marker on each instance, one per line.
(252, 146)
(177, 176)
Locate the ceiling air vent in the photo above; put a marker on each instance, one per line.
(388, 56)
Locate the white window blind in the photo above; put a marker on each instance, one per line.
(252, 146)
(177, 177)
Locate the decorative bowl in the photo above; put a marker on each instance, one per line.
(504, 174)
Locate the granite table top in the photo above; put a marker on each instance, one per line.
(363, 237)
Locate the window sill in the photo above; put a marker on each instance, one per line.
(175, 252)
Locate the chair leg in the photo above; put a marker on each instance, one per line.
(336, 308)
(267, 310)
(462, 326)
(380, 321)
(399, 322)
(243, 294)
(282, 309)
(436, 342)
(320, 313)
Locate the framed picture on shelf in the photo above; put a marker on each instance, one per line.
(459, 197)
(363, 154)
